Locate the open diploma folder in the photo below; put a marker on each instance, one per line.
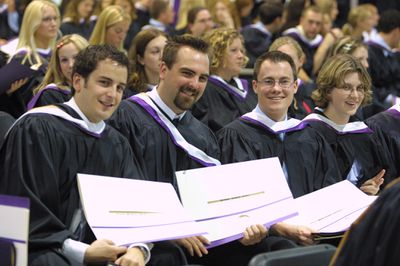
(129, 211)
(228, 198)
(331, 210)
(14, 230)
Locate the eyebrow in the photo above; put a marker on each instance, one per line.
(110, 79)
(194, 72)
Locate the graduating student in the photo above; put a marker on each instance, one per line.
(343, 85)
(372, 239)
(47, 147)
(145, 56)
(307, 35)
(37, 36)
(267, 131)
(111, 27)
(259, 36)
(388, 122)
(227, 96)
(384, 63)
(56, 84)
(170, 139)
(159, 120)
(302, 104)
(77, 18)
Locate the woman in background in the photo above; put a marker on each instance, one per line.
(111, 27)
(56, 85)
(145, 55)
(77, 18)
(38, 33)
(226, 96)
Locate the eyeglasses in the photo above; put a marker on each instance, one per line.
(270, 83)
(350, 89)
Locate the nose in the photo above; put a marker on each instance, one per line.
(71, 63)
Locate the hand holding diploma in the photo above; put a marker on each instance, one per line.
(195, 245)
(299, 233)
(133, 257)
(103, 250)
(254, 234)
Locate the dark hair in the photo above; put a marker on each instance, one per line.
(87, 59)
(175, 43)
(269, 11)
(158, 7)
(275, 57)
(138, 47)
(389, 20)
(192, 13)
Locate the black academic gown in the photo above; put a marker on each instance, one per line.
(218, 107)
(16, 103)
(162, 157)
(84, 29)
(384, 67)
(256, 42)
(40, 159)
(309, 47)
(309, 161)
(302, 104)
(388, 123)
(49, 95)
(367, 148)
(372, 239)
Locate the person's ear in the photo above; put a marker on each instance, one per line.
(78, 82)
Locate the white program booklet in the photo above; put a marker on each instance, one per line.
(129, 211)
(228, 198)
(331, 210)
(14, 229)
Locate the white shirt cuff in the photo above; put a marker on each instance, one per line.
(146, 247)
(74, 250)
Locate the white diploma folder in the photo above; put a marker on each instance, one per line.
(332, 209)
(129, 211)
(14, 228)
(228, 198)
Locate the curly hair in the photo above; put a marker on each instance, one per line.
(219, 40)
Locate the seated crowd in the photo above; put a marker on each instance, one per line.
(142, 89)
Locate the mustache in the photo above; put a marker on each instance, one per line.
(189, 90)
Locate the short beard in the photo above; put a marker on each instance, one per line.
(184, 104)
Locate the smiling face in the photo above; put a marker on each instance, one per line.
(275, 101)
(184, 83)
(66, 59)
(100, 93)
(115, 34)
(344, 101)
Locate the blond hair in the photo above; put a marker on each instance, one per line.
(108, 17)
(54, 73)
(219, 39)
(31, 21)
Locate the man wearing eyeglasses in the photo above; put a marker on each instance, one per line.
(307, 160)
